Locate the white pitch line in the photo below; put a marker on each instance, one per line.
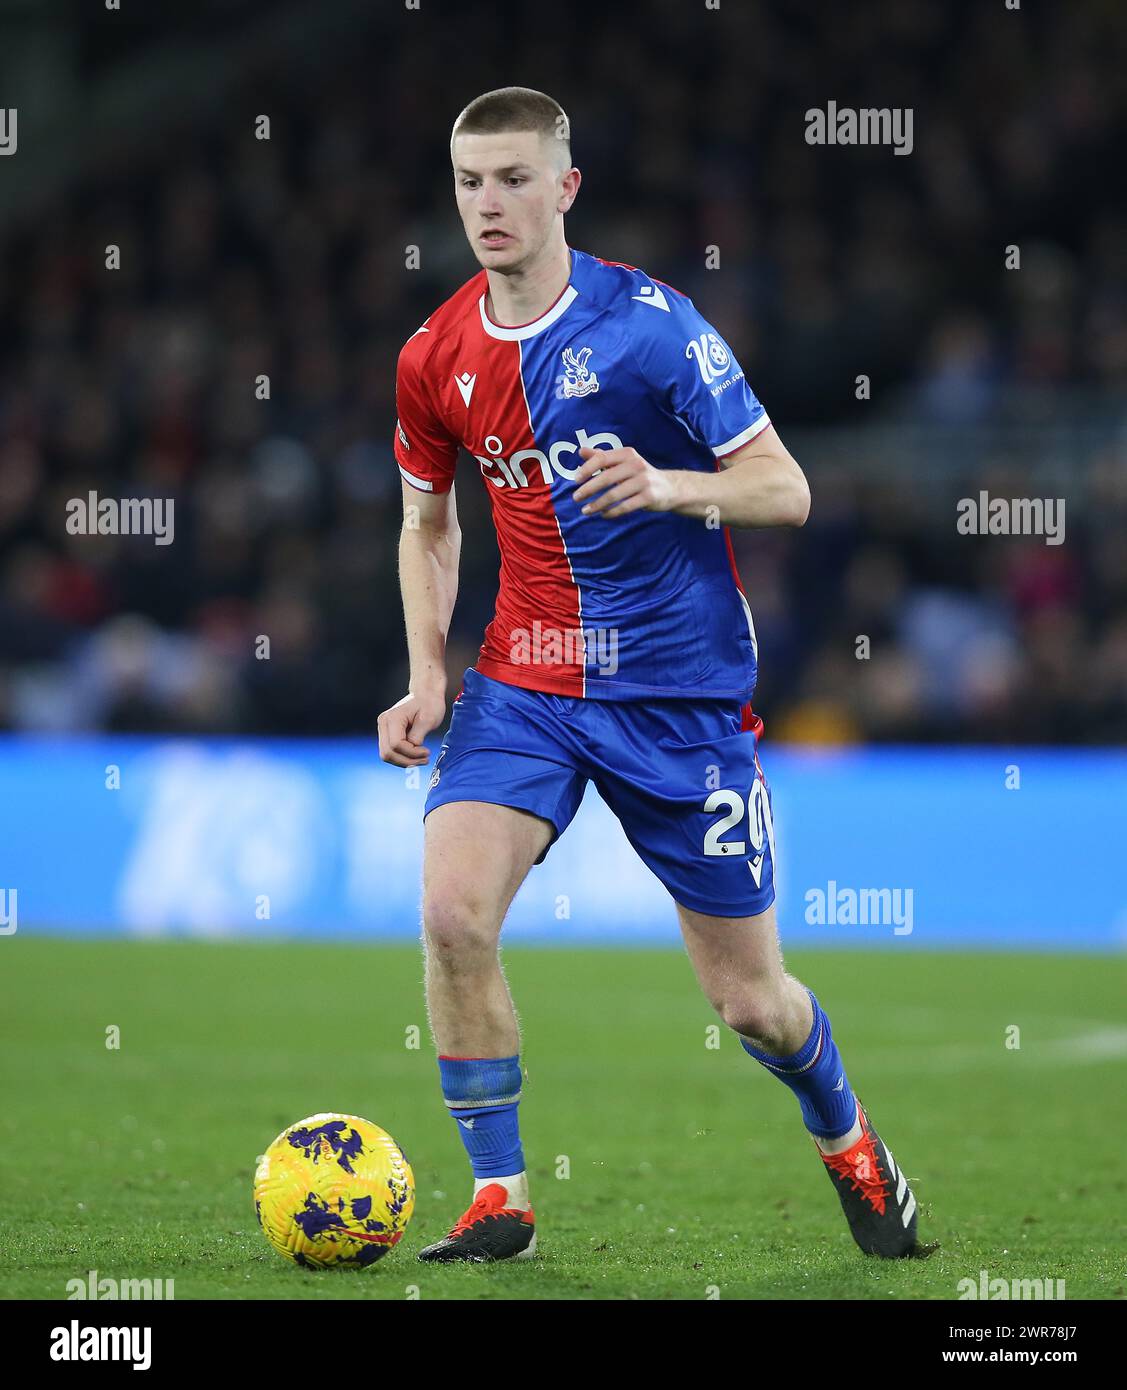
(1097, 1045)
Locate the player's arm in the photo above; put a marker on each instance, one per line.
(429, 548)
(759, 484)
(691, 371)
(430, 545)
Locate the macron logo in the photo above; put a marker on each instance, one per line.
(650, 294)
(465, 385)
(468, 1123)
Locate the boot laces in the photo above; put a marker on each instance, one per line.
(860, 1167)
(486, 1203)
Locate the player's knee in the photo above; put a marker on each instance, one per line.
(457, 926)
(755, 1016)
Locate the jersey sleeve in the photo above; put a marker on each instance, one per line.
(425, 450)
(682, 355)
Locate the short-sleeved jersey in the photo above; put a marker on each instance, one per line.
(648, 605)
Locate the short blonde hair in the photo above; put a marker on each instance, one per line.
(517, 109)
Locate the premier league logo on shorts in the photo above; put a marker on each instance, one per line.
(576, 380)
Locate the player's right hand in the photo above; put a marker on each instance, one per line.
(403, 727)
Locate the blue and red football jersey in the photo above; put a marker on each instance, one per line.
(645, 605)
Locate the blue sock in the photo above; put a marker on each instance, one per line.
(816, 1076)
(482, 1094)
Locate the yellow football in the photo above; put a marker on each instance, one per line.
(333, 1191)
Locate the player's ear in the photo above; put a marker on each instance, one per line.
(569, 187)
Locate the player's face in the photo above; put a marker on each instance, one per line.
(510, 190)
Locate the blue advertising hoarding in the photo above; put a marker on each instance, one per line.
(213, 837)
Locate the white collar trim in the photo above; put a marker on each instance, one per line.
(528, 330)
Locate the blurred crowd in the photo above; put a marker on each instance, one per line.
(286, 258)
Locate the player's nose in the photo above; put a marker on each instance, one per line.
(489, 204)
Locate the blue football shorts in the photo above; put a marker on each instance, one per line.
(682, 776)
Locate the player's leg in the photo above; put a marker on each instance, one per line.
(739, 964)
(781, 1024)
(466, 893)
(505, 784)
(687, 786)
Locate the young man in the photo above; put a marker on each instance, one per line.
(618, 440)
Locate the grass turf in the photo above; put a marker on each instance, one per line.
(689, 1168)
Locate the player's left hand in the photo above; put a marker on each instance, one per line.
(626, 482)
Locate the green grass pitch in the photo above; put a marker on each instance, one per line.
(690, 1174)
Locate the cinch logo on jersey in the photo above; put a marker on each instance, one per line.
(618, 359)
(513, 472)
